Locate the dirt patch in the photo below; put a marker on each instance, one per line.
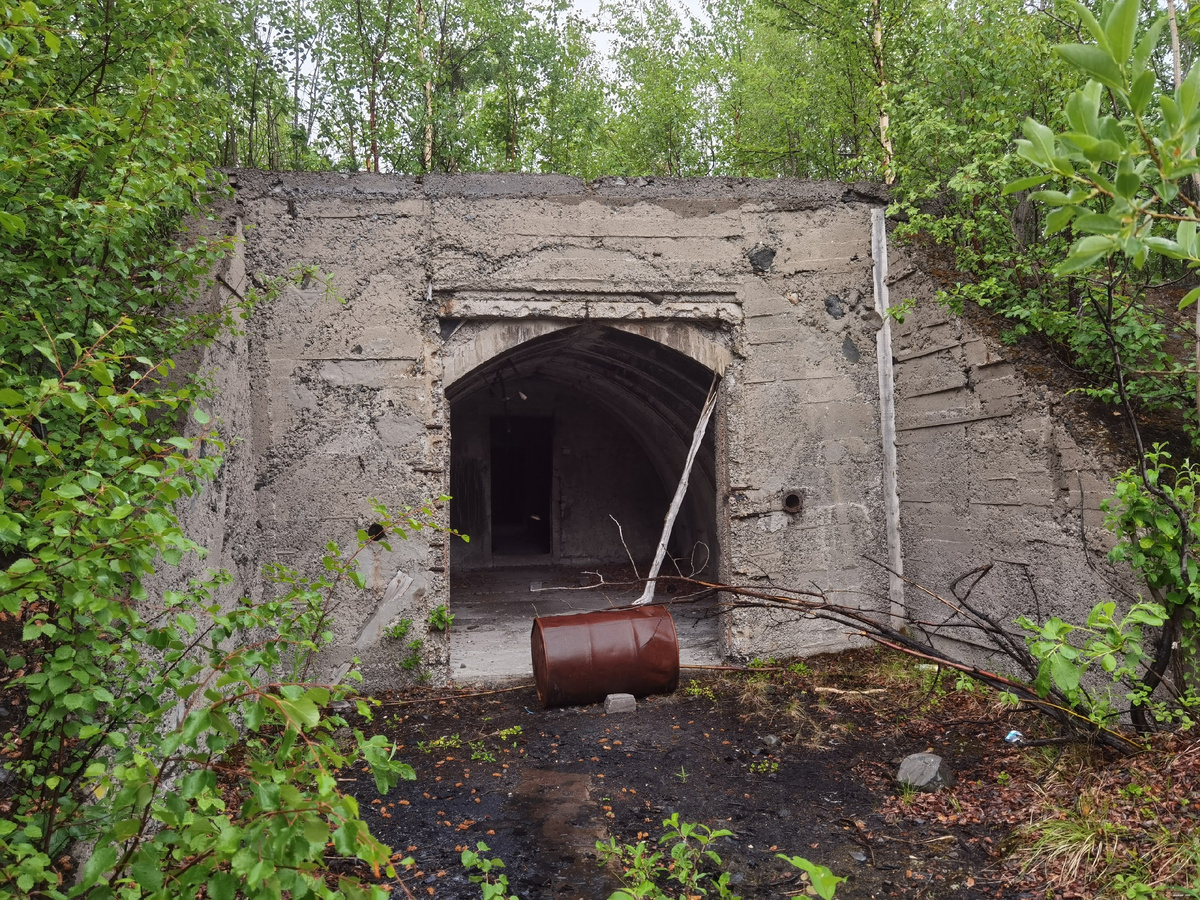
(783, 760)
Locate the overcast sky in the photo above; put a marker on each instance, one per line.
(591, 8)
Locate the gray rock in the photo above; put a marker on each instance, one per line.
(761, 258)
(770, 741)
(620, 703)
(926, 772)
(850, 351)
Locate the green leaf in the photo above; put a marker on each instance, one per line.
(1143, 90)
(1024, 184)
(1189, 93)
(1059, 219)
(1086, 252)
(302, 713)
(1145, 47)
(1095, 61)
(1041, 141)
(1083, 109)
(823, 881)
(1095, 149)
(101, 374)
(222, 886)
(25, 565)
(1089, 22)
(14, 225)
(76, 399)
(1189, 298)
(1165, 247)
(1121, 28)
(1097, 223)
(1185, 236)
(102, 859)
(1052, 198)
(1066, 673)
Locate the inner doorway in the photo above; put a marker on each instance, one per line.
(565, 452)
(522, 486)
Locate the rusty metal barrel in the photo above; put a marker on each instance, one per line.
(583, 657)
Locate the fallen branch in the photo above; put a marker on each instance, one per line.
(816, 604)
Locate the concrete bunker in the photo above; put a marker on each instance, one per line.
(935, 450)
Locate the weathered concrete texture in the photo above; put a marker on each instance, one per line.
(990, 475)
(456, 296)
(541, 349)
(221, 515)
(620, 703)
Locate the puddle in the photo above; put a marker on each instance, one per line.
(558, 814)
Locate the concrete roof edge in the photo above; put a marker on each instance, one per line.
(252, 184)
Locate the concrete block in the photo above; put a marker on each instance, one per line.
(619, 703)
(926, 772)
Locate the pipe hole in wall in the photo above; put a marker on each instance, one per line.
(375, 531)
(793, 502)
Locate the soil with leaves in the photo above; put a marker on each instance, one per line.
(787, 761)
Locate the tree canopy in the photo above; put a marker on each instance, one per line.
(115, 116)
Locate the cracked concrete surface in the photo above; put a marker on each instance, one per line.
(607, 309)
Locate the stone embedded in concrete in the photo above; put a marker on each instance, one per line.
(619, 703)
(761, 258)
(926, 772)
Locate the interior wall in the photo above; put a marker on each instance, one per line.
(600, 472)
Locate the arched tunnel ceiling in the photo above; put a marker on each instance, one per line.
(645, 384)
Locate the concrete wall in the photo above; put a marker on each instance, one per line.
(222, 515)
(766, 284)
(991, 473)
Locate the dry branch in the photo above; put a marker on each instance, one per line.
(816, 604)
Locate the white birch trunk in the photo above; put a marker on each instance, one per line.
(680, 492)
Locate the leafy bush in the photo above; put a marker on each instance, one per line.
(687, 862)
(440, 618)
(399, 631)
(177, 748)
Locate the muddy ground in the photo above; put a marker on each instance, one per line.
(784, 760)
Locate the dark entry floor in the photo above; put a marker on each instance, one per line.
(494, 611)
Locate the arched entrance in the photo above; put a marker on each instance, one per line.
(565, 451)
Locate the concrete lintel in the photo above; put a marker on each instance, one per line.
(707, 307)
(466, 350)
